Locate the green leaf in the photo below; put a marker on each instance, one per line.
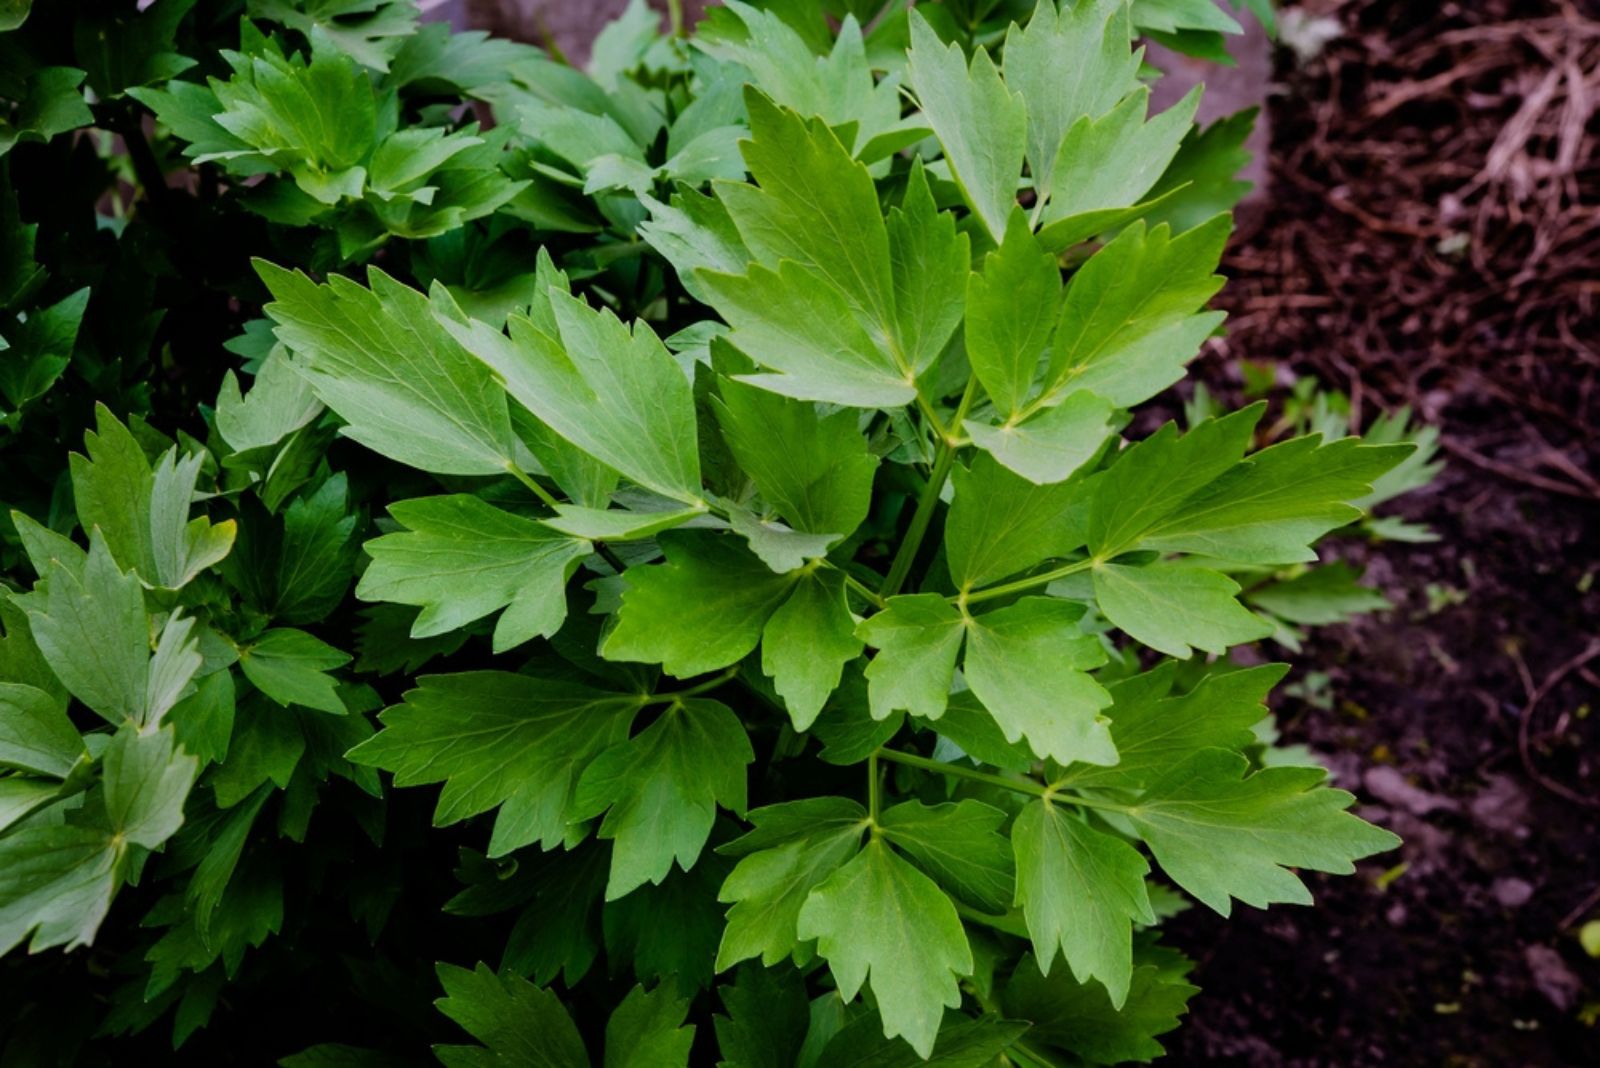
(35, 733)
(1202, 179)
(1001, 524)
(917, 638)
(1081, 890)
(1128, 323)
(1027, 663)
(960, 846)
(1155, 731)
(56, 882)
(632, 412)
(147, 779)
(791, 849)
(806, 644)
(1072, 61)
(280, 402)
(404, 386)
(291, 666)
(963, 1043)
(660, 790)
(800, 324)
(1049, 445)
(517, 1022)
(1111, 162)
(1269, 509)
(766, 1021)
(1320, 596)
(703, 609)
(879, 917)
(91, 627)
(981, 125)
(1080, 1018)
(817, 208)
(1264, 824)
(461, 559)
(369, 31)
(1152, 478)
(1011, 313)
(498, 739)
(1170, 607)
(647, 1030)
(813, 470)
(930, 262)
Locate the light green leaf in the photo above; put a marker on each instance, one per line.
(35, 733)
(1049, 446)
(1111, 162)
(290, 666)
(813, 470)
(1264, 824)
(147, 780)
(1072, 61)
(982, 126)
(1129, 324)
(517, 1022)
(280, 402)
(917, 638)
(494, 738)
(56, 882)
(702, 610)
(879, 917)
(792, 848)
(460, 559)
(930, 261)
(616, 525)
(615, 393)
(779, 547)
(660, 790)
(1011, 313)
(960, 846)
(92, 630)
(806, 644)
(802, 326)
(111, 485)
(403, 385)
(1027, 663)
(816, 207)
(1170, 607)
(1081, 890)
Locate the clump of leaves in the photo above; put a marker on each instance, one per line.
(809, 637)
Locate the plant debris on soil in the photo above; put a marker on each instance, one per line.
(1431, 238)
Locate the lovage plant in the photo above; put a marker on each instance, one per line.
(814, 634)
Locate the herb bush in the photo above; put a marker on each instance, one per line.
(719, 468)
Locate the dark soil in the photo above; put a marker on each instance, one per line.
(1432, 238)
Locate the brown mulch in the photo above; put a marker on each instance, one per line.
(1432, 238)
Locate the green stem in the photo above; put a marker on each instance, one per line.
(527, 480)
(544, 495)
(1021, 786)
(860, 587)
(712, 683)
(872, 791)
(675, 18)
(943, 460)
(1005, 589)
